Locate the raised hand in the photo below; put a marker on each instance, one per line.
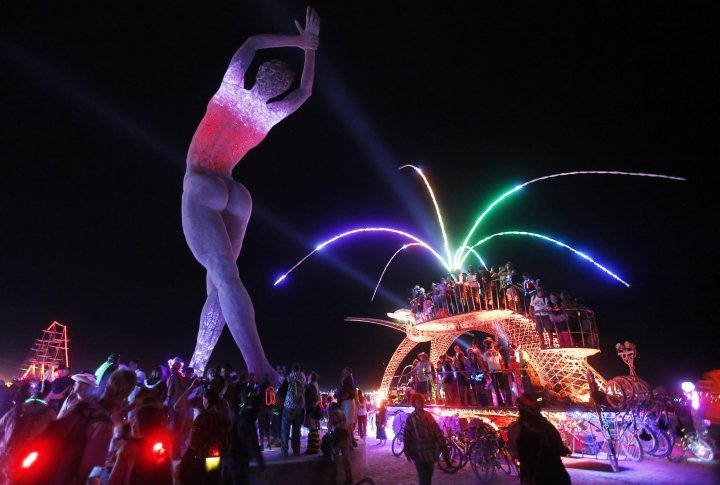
(309, 36)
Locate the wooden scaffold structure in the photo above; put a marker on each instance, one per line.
(47, 353)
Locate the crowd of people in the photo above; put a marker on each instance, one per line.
(488, 375)
(127, 427)
(557, 315)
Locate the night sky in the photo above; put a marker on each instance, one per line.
(99, 104)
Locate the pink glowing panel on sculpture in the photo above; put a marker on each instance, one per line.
(236, 120)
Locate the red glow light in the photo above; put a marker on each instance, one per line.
(30, 459)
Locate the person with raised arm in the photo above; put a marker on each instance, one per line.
(215, 208)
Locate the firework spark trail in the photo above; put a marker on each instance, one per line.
(359, 231)
(459, 259)
(388, 264)
(437, 209)
(559, 243)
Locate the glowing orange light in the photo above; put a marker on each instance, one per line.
(30, 459)
(158, 447)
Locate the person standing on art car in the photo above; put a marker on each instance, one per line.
(559, 319)
(537, 444)
(529, 288)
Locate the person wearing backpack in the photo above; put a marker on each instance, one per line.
(21, 425)
(69, 448)
(293, 411)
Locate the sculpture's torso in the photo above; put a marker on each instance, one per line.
(236, 121)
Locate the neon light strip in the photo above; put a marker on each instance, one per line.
(388, 264)
(471, 250)
(362, 230)
(546, 177)
(559, 243)
(437, 210)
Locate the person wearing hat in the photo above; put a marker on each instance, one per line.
(83, 389)
(423, 439)
(538, 445)
(423, 373)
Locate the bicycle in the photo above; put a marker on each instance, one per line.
(398, 446)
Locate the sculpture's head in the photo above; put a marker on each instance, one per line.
(273, 78)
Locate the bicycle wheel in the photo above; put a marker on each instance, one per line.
(507, 464)
(630, 446)
(482, 465)
(700, 448)
(648, 439)
(665, 444)
(450, 458)
(397, 445)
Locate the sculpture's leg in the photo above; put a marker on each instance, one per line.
(211, 326)
(215, 213)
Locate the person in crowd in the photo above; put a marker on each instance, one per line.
(463, 292)
(156, 383)
(179, 419)
(313, 413)
(462, 370)
(209, 437)
(509, 284)
(84, 388)
(103, 373)
(506, 382)
(91, 423)
(514, 375)
(362, 414)
(538, 445)
(572, 317)
(144, 458)
(341, 438)
(59, 388)
(473, 289)
(448, 383)
(22, 424)
(267, 403)
(474, 349)
(244, 441)
(428, 309)
(192, 399)
(528, 287)
(293, 411)
(494, 362)
(346, 396)
(559, 319)
(422, 372)
(134, 366)
(477, 379)
(381, 423)
(539, 310)
(486, 290)
(423, 440)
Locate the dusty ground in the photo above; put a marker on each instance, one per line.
(383, 468)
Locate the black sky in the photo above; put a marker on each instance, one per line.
(99, 104)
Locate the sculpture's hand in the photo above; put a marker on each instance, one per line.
(309, 36)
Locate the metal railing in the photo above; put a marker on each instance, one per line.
(466, 388)
(567, 328)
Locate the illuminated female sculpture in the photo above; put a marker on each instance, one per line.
(215, 208)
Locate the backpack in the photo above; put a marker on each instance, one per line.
(54, 456)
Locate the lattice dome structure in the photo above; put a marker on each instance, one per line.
(563, 370)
